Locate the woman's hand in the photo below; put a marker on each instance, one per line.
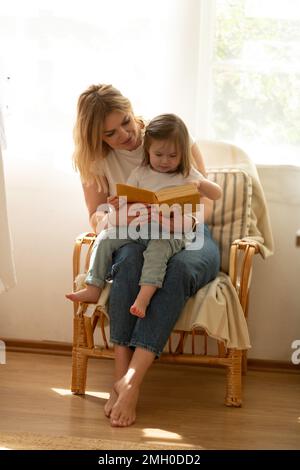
(116, 202)
(121, 214)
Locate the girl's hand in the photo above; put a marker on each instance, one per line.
(138, 213)
(197, 184)
(177, 223)
(130, 213)
(209, 189)
(163, 221)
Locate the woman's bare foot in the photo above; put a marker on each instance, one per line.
(123, 412)
(113, 396)
(90, 294)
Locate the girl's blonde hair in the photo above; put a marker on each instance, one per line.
(93, 107)
(169, 127)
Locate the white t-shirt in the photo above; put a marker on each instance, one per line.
(117, 166)
(146, 178)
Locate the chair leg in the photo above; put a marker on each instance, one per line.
(79, 360)
(79, 371)
(234, 379)
(244, 362)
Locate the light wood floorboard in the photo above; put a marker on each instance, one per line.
(180, 405)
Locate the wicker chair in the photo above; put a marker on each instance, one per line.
(236, 255)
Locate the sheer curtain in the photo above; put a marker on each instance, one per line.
(52, 50)
(7, 270)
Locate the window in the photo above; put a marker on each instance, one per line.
(255, 75)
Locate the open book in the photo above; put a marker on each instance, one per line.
(184, 194)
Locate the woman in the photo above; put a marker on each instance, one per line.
(108, 146)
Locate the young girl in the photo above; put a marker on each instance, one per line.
(167, 163)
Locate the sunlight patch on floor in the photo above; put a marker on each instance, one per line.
(161, 434)
(62, 391)
(180, 445)
(104, 395)
(65, 391)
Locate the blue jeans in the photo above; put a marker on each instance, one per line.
(156, 256)
(187, 271)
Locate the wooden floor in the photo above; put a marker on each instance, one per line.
(180, 405)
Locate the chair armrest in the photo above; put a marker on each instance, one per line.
(298, 238)
(86, 238)
(240, 267)
(82, 239)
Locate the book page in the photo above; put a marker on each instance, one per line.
(185, 194)
(177, 191)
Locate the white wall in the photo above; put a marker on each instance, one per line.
(47, 211)
(274, 310)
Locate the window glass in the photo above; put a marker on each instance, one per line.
(256, 78)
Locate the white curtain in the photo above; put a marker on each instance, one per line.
(7, 269)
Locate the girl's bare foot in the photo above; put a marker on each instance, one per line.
(138, 309)
(90, 294)
(123, 412)
(142, 301)
(110, 402)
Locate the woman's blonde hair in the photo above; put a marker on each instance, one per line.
(93, 106)
(169, 127)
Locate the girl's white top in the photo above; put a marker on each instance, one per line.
(147, 178)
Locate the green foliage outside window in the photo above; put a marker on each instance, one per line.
(256, 75)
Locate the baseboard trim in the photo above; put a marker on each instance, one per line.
(65, 349)
(38, 347)
(272, 365)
